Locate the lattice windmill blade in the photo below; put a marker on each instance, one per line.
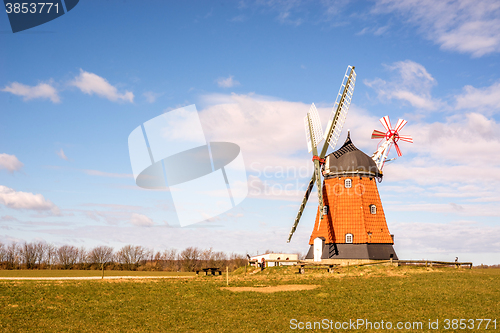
(331, 136)
(386, 123)
(302, 206)
(399, 126)
(316, 177)
(308, 134)
(340, 108)
(314, 122)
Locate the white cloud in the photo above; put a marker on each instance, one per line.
(286, 9)
(285, 17)
(461, 25)
(107, 174)
(376, 31)
(8, 218)
(269, 130)
(227, 82)
(112, 214)
(238, 18)
(455, 237)
(42, 90)
(462, 140)
(271, 135)
(90, 83)
(141, 220)
(451, 168)
(151, 96)
(61, 154)
(10, 163)
(296, 12)
(25, 200)
(480, 99)
(451, 164)
(412, 84)
(110, 217)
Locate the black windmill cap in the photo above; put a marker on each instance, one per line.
(346, 147)
(349, 160)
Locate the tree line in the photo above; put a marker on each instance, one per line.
(42, 255)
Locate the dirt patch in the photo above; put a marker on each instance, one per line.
(273, 289)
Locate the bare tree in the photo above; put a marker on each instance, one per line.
(157, 261)
(12, 256)
(67, 255)
(39, 254)
(171, 257)
(219, 259)
(236, 260)
(190, 258)
(206, 256)
(83, 257)
(159, 256)
(131, 256)
(211, 258)
(101, 255)
(2, 253)
(40, 248)
(50, 254)
(27, 252)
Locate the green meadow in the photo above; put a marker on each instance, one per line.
(372, 294)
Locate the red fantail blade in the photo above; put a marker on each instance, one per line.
(399, 126)
(406, 138)
(378, 135)
(386, 123)
(397, 149)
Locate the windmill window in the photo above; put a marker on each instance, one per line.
(348, 183)
(349, 238)
(373, 209)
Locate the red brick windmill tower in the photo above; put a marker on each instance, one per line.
(350, 222)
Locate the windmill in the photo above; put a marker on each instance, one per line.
(350, 221)
(390, 137)
(331, 136)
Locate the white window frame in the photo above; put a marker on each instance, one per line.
(348, 183)
(349, 238)
(373, 209)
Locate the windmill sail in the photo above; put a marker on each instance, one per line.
(341, 107)
(314, 122)
(332, 133)
(302, 206)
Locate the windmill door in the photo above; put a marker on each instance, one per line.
(318, 248)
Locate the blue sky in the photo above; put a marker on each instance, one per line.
(73, 89)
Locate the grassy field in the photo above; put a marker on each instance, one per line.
(85, 273)
(394, 294)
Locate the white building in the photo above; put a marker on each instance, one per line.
(275, 256)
